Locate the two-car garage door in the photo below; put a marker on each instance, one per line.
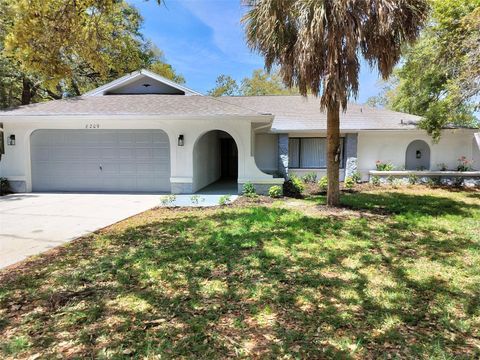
(100, 160)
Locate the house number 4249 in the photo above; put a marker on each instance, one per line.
(92, 126)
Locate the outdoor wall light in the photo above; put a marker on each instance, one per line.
(180, 140)
(419, 154)
(11, 140)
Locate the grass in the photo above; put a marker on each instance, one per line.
(394, 274)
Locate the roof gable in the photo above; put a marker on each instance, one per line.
(141, 82)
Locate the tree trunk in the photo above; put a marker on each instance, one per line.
(333, 154)
(26, 91)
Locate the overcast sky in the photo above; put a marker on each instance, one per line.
(204, 38)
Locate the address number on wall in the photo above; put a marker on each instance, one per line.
(92, 126)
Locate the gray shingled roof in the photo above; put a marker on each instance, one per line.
(292, 113)
(296, 113)
(164, 105)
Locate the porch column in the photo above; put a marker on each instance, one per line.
(351, 141)
(283, 155)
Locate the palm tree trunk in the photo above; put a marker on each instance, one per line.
(333, 154)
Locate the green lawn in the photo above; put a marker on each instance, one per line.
(394, 274)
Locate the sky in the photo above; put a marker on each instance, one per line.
(202, 39)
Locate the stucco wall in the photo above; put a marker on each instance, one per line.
(391, 146)
(266, 152)
(15, 164)
(476, 151)
(206, 160)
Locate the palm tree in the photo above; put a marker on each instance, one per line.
(317, 45)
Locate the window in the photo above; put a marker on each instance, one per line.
(309, 153)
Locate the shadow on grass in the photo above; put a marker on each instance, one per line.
(401, 203)
(261, 282)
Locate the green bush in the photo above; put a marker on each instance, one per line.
(275, 191)
(375, 180)
(293, 187)
(310, 177)
(412, 179)
(356, 177)
(168, 200)
(224, 200)
(249, 189)
(349, 183)
(381, 166)
(195, 199)
(4, 186)
(323, 183)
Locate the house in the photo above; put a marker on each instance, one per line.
(144, 133)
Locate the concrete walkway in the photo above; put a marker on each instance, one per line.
(33, 223)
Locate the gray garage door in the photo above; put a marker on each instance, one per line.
(100, 160)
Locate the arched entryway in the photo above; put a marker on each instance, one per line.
(417, 156)
(215, 162)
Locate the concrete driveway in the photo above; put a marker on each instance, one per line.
(32, 223)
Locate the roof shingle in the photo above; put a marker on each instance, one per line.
(163, 105)
(297, 113)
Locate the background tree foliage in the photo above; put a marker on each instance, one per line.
(56, 48)
(260, 83)
(440, 76)
(225, 85)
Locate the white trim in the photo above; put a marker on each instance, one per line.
(115, 83)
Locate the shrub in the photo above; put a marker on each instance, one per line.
(195, 199)
(4, 186)
(224, 200)
(442, 167)
(356, 177)
(390, 179)
(293, 187)
(348, 182)
(412, 179)
(464, 164)
(375, 180)
(309, 177)
(381, 166)
(433, 181)
(249, 189)
(323, 183)
(168, 200)
(275, 191)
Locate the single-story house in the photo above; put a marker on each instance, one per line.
(144, 133)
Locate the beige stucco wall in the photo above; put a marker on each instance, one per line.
(16, 165)
(266, 152)
(390, 146)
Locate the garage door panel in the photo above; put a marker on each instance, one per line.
(130, 160)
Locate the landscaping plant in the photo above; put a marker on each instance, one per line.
(323, 183)
(168, 200)
(249, 189)
(310, 177)
(464, 164)
(224, 200)
(384, 166)
(275, 191)
(349, 183)
(293, 187)
(4, 186)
